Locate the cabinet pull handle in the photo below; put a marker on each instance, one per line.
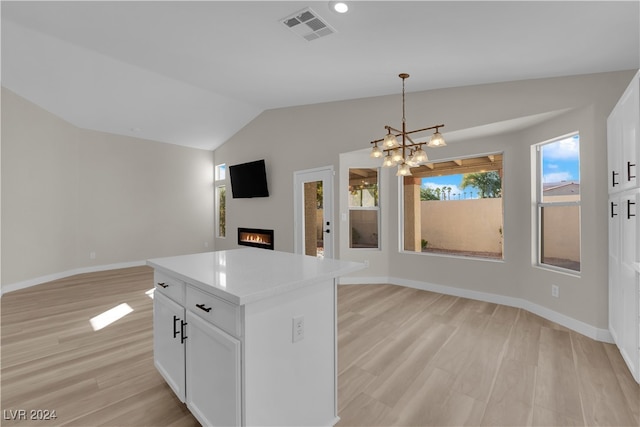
(612, 212)
(613, 178)
(163, 285)
(629, 166)
(629, 204)
(202, 307)
(182, 335)
(175, 330)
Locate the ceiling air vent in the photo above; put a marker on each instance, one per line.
(307, 24)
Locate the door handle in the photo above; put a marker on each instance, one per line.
(182, 335)
(612, 212)
(203, 307)
(629, 166)
(613, 178)
(327, 231)
(629, 204)
(175, 330)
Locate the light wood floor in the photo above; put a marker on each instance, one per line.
(406, 357)
(412, 358)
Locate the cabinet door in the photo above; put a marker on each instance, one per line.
(615, 289)
(629, 280)
(614, 150)
(623, 134)
(631, 135)
(168, 347)
(213, 374)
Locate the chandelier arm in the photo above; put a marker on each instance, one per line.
(395, 132)
(413, 143)
(429, 128)
(399, 132)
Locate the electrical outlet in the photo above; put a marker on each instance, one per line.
(92, 255)
(298, 328)
(555, 291)
(366, 262)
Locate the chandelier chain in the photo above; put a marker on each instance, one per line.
(403, 116)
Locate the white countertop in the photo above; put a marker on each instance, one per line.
(246, 275)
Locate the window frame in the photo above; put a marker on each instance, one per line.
(401, 212)
(539, 206)
(365, 208)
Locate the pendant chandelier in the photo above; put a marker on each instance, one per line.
(399, 149)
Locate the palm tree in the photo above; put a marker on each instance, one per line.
(222, 212)
(488, 184)
(428, 194)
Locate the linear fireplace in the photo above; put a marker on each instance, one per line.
(255, 237)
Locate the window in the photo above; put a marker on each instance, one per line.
(221, 209)
(221, 172)
(364, 210)
(221, 200)
(455, 207)
(558, 202)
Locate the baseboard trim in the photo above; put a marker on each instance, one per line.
(61, 275)
(377, 280)
(583, 328)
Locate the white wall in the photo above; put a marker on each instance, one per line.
(68, 192)
(311, 136)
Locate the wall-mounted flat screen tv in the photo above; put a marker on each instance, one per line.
(249, 180)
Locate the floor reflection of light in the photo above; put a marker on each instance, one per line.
(110, 316)
(149, 293)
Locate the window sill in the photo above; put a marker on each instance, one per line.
(559, 270)
(466, 255)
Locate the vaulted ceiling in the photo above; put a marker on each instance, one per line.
(194, 73)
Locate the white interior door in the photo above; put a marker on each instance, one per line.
(313, 212)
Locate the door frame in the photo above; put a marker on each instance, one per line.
(324, 174)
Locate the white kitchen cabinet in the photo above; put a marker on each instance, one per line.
(213, 389)
(185, 346)
(624, 277)
(243, 360)
(623, 140)
(616, 299)
(623, 133)
(168, 343)
(628, 281)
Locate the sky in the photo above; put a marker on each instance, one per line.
(560, 162)
(452, 181)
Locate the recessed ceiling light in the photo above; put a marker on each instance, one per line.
(339, 6)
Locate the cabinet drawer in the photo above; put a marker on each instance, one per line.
(222, 314)
(169, 286)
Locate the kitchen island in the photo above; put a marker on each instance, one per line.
(248, 336)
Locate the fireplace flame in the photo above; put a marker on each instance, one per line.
(255, 238)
